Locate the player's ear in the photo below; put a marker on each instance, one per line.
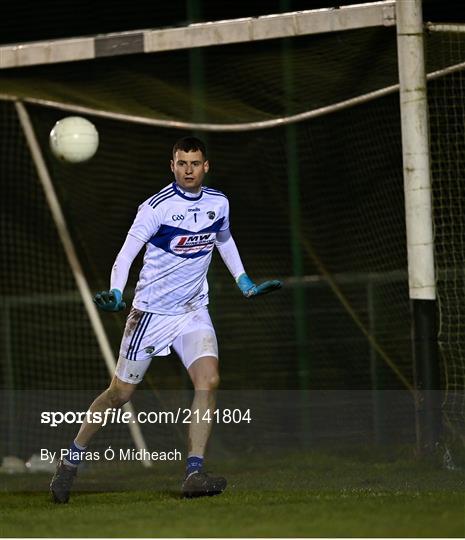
(172, 165)
(206, 166)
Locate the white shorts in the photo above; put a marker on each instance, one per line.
(150, 334)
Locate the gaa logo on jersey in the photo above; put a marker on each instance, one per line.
(192, 244)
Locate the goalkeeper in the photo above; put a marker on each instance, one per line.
(179, 227)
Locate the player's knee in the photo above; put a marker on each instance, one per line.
(209, 381)
(114, 399)
(214, 381)
(119, 394)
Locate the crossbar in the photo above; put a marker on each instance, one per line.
(297, 23)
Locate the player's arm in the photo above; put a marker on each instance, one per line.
(146, 223)
(231, 258)
(112, 300)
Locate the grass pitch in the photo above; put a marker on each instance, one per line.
(312, 494)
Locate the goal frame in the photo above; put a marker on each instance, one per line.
(407, 16)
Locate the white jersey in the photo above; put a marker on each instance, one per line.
(179, 232)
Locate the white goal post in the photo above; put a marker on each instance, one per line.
(75, 265)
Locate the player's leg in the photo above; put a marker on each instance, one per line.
(130, 369)
(114, 397)
(198, 349)
(205, 379)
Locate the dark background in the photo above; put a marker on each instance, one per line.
(30, 21)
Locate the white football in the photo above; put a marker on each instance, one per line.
(74, 139)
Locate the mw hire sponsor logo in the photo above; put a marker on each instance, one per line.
(193, 243)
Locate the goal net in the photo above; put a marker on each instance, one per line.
(317, 203)
(447, 120)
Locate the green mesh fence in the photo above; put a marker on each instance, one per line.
(318, 204)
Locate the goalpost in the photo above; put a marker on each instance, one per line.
(70, 251)
(419, 219)
(317, 212)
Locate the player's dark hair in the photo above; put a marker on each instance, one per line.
(190, 144)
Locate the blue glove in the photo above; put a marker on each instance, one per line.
(249, 289)
(110, 301)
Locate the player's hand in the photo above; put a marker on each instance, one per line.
(249, 288)
(110, 300)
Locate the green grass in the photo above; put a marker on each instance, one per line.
(301, 495)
